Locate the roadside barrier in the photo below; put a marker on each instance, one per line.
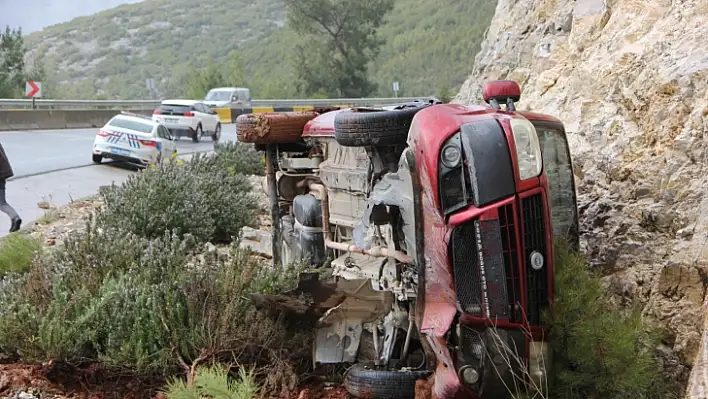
(57, 119)
(39, 119)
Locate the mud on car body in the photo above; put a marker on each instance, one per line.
(438, 222)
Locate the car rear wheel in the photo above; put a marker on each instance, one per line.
(217, 133)
(97, 158)
(198, 134)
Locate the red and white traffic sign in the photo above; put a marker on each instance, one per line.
(33, 89)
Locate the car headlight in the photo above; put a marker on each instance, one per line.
(528, 149)
(451, 155)
(454, 187)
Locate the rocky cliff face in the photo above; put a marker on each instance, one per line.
(629, 80)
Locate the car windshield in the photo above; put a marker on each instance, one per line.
(242, 94)
(174, 108)
(130, 124)
(218, 95)
(556, 161)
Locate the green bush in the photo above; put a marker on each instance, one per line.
(17, 252)
(199, 197)
(213, 382)
(600, 351)
(148, 306)
(236, 157)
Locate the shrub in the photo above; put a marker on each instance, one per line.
(17, 252)
(600, 351)
(236, 158)
(213, 382)
(197, 197)
(148, 306)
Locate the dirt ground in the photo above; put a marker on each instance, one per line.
(60, 381)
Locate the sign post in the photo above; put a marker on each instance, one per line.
(395, 89)
(33, 90)
(150, 84)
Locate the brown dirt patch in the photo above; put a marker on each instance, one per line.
(59, 380)
(56, 380)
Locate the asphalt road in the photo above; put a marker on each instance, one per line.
(42, 151)
(55, 166)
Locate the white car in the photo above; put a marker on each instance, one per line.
(225, 96)
(133, 138)
(188, 118)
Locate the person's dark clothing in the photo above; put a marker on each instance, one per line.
(6, 173)
(5, 168)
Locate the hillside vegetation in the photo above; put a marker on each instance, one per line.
(430, 46)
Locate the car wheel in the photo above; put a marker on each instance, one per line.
(198, 134)
(159, 159)
(360, 127)
(217, 133)
(365, 381)
(97, 158)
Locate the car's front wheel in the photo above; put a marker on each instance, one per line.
(97, 158)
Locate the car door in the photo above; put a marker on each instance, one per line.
(208, 118)
(213, 116)
(167, 146)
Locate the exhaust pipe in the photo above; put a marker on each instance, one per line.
(375, 251)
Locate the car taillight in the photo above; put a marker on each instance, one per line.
(148, 143)
(156, 112)
(103, 134)
(189, 113)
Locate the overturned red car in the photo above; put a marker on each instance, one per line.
(437, 222)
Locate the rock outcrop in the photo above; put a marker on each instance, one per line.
(629, 79)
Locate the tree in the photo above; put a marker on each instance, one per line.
(200, 81)
(342, 40)
(12, 64)
(444, 95)
(234, 74)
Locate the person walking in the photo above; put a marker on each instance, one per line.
(6, 173)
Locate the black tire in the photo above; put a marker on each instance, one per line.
(364, 381)
(97, 158)
(217, 133)
(198, 134)
(373, 127)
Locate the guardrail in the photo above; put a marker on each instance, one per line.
(151, 104)
(67, 114)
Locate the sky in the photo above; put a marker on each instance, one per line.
(34, 15)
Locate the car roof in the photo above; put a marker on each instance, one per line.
(147, 121)
(180, 102)
(228, 88)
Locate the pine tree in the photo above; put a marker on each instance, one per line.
(12, 64)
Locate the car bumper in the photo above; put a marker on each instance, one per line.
(131, 156)
(181, 131)
(489, 360)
